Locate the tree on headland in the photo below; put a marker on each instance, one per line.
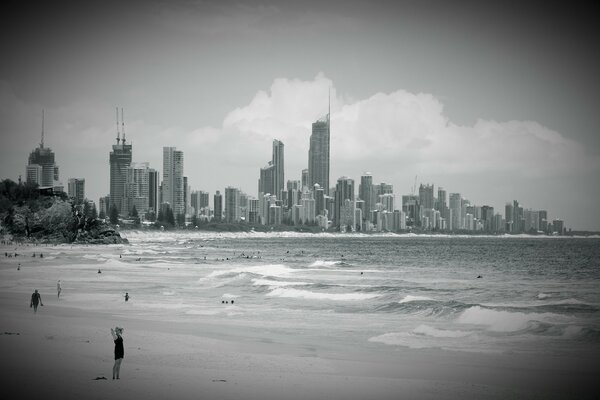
(134, 215)
(114, 215)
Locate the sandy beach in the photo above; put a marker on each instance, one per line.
(65, 349)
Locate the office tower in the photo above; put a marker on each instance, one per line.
(186, 196)
(426, 196)
(411, 207)
(265, 182)
(518, 221)
(457, 212)
(41, 167)
(366, 193)
(173, 191)
(278, 166)
(199, 202)
(308, 204)
(153, 190)
(347, 215)
(232, 204)
(76, 189)
(119, 159)
(344, 190)
(218, 206)
(318, 154)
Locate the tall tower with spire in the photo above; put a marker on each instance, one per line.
(318, 153)
(119, 160)
(41, 167)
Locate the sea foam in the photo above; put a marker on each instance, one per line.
(305, 294)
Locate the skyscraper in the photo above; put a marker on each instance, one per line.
(232, 204)
(456, 211)
(318, 154)
(218, 205)
(344, 190)
(41, 168)
(137, 189)
(365, 193)
(278, 168)
(119, 159)
(153, 190)
(426, 196)
(266, 180)
(172, 185)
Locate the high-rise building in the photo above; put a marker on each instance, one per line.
(153, 190)
(344, 190)
(76, 189)
(173, 190)
(137, 189)
(278, 168)
(218, 206)
(232, 204)
(103, 203)
(41, 167)
(456, 211)
(366, 193)
(426, 196)
(265, 182)
(119, 159)
(305, 179)
(318, 154)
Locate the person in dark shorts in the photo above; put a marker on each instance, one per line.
(119, 350)
(36, 299)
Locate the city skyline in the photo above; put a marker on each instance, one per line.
(463, 106)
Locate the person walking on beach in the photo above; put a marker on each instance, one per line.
(36, 299)
(58, 289)
(119, 350)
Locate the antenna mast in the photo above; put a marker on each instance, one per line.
(42, 143)
(118, 134)
(123, 125)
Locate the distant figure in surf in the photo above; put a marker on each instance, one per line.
(19, 267)
(119, 350)
(99, 271)
(58, 289)
(479, 276)
(126, 296)
(36, 299)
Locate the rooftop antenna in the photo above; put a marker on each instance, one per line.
(42, 143)
(118, 134)
(123, 125)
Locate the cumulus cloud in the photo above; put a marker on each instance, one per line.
(388, 132)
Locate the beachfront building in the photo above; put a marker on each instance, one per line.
(218, 206)
(76, 189)
(119, 160)
(318, 154)
(173, 189)
(232, 204)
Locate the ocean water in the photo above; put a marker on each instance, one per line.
(534, 294)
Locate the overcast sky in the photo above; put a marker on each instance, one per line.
(496, 102)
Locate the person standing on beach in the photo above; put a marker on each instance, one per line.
(36, 299)
(58, 289)
(119, 350)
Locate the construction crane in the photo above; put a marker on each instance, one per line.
(414, 186)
